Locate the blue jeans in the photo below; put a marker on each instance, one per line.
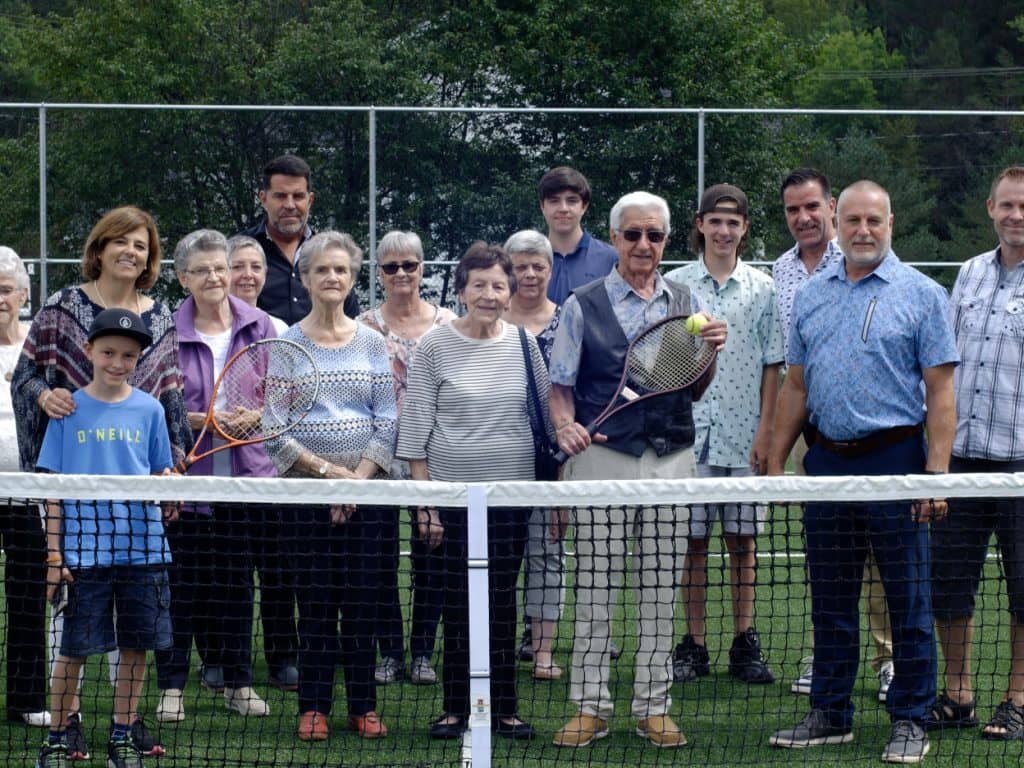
(838, 538)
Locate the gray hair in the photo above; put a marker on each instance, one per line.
(529, 241)
(644, 201)
(12, 266)
(241, 242)
(397, 241)
(330, 240)
(200, 241)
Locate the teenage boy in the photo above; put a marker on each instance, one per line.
(733, 421)
(109, 554)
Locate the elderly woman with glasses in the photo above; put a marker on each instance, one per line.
(530, 308)
(208, 543)
(404, 319)
(335, 552)
(465, 419)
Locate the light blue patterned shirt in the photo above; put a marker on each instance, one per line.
(728, 415)
(863, 346)
(633, 312)
(988, 318)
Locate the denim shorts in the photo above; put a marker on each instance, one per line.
(136, 598)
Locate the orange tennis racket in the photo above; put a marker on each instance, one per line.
(265, 389)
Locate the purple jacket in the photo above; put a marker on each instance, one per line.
(249, 325)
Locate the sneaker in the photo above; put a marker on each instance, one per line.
(123, 754)
(36, 719)
(144, 740)
(212, 678)
(661, 731)
(170, 709)
(908, 743)
(246, 702)
(581, 731)
(525, 650)
(802, 685)
(78, 749)
(813, 731)
(388, 671)
(885, 675)
(746, 659)
(53, 756)
(691, 661)
(423, 671)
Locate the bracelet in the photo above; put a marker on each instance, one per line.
(42, 404)
(563, 426)
(54, 560)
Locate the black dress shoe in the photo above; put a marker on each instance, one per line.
(212, 678)
(286, 678)
(441, 729)
(518, 730)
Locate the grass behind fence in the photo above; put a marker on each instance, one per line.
(726, 722)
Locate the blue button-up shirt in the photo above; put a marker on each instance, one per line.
(633, 312)
(728, 414)
(864, 345)
(988, 318)
(592, 259)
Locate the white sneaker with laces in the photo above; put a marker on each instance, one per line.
(36, 719)
(422, 671)
(170, 709)
(802, 685)
(885, 675)
(245, 701)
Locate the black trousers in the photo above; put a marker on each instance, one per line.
(506, 542)
(276, 587)
(23, 540)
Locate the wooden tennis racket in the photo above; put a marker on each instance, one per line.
(664, 357)
(265, 389)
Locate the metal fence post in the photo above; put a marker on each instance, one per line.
(700, 156)
(44, 282)
(373, 206)
(478, 735)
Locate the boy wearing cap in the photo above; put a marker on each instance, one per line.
(108, 553)
(733, 423)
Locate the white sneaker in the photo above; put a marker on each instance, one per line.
(36, 719)
(245, 701)
(170, 709)
(885, 676)
(802, 685)
(422, 671)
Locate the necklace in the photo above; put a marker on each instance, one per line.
(103, 302)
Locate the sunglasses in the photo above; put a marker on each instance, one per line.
(406, 266)
(634, 235)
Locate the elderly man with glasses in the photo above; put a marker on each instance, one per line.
(653, 439)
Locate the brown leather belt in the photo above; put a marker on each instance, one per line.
(862, 446)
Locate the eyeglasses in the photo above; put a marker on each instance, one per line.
(634, 235)
(406, 266)
(206, 272)
(7, 290)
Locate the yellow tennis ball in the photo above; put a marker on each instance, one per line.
(694, 323)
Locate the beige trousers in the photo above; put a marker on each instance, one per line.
(659, 544)
(873, 591)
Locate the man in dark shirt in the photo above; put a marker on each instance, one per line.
(579, 256)
(286, 198)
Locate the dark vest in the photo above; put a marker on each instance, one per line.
(664, 422)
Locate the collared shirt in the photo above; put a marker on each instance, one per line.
(864, 345)
(592, 259)
(988, 318)
(728, 414)
(789, 273)
(633, 312)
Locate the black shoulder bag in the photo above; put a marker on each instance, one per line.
(544, 465)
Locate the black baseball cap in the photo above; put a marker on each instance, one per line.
(724, 198)
(120, 322)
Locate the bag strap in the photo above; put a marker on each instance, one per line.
(531, 384)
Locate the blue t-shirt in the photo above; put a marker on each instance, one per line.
(99, 438)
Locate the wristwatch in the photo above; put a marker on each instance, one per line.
(323, 469)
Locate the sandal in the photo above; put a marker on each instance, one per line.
(946, 713)
(1010, 718)
(550, 672)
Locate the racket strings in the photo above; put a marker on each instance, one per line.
(668, 357)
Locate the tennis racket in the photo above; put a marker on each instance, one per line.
(664, 357)
(264, 390)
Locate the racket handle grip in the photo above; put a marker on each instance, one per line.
(561, 457)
